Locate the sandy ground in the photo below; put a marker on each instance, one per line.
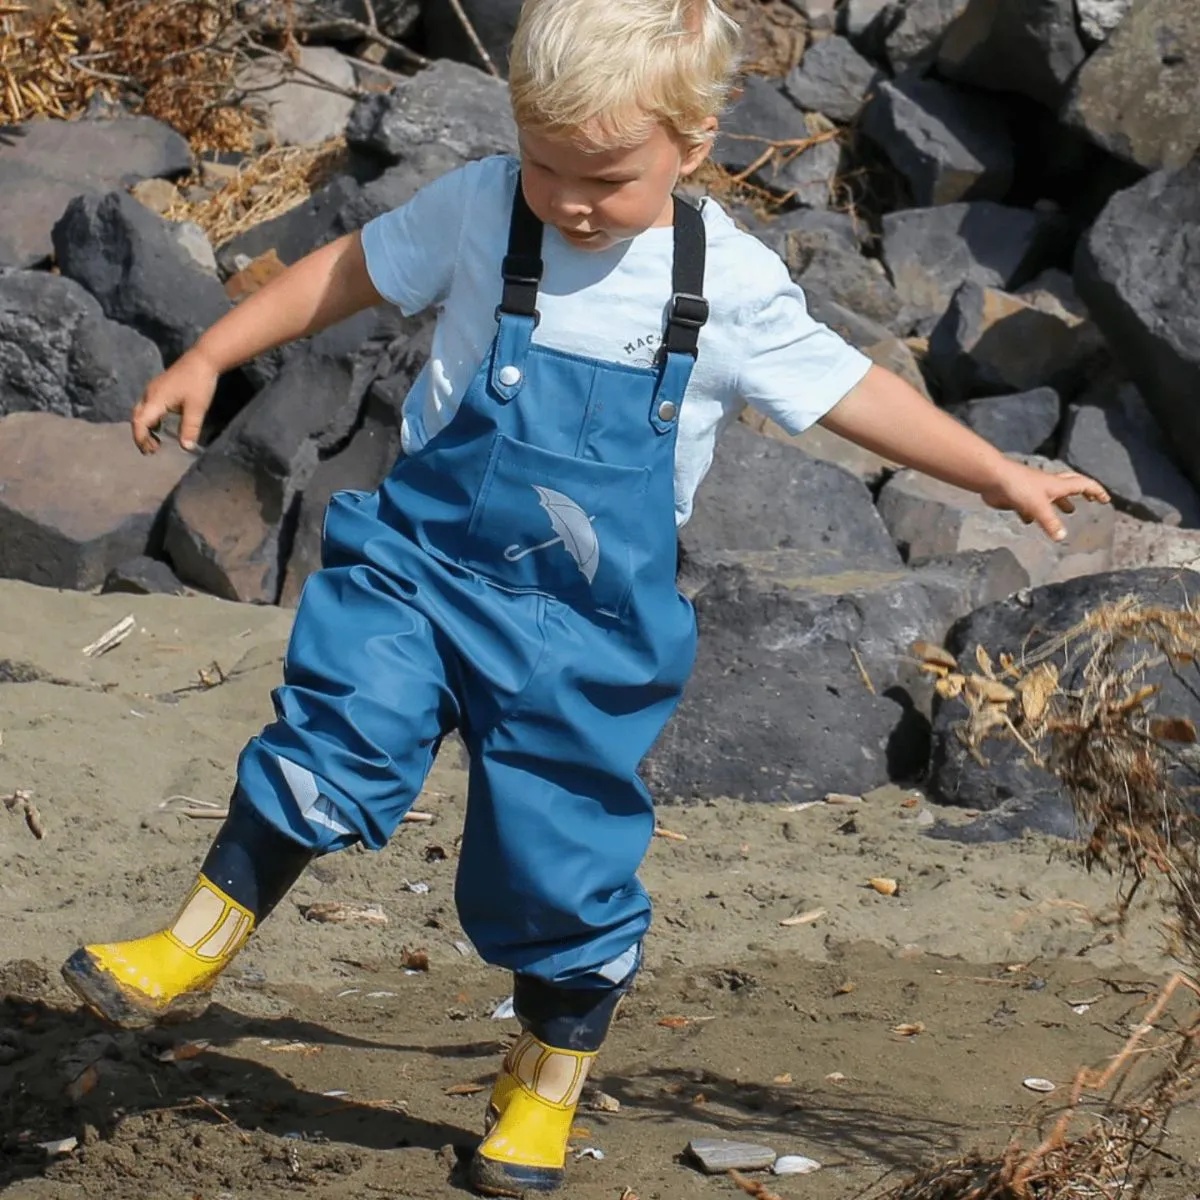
(325, 1069)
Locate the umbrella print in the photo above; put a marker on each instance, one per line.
(573, 528)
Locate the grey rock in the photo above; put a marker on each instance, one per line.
(1113, 437)
(1098, 18)
(717, 1155)
(128, 259)
(1138, 96)
(765, 114)
(365, 461)
(398, 184)
(302, 105)
(833, 78)
(1029, 47)
(493, 20)
(931, 252)
(777, 707)
(46, 164)
(193, 241)
(930, 518)
(762, 494)
(142, 576)
(448, 103)
(806, 229)
(845, 276)
(1015, 796)
(912, 42)
(947, 144)
(296, 232)
(108, 512)
(231, 519)
(822, 15)
(60, 354)
(1138, 543)
(991, 343)
(1136, 271)
(1024, 423)
(863, 18)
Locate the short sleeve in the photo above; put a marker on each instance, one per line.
(411, 251)
(792, 369)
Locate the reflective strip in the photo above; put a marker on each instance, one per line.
(620, 968)
(317, 809)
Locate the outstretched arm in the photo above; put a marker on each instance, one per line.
(325, 287)
(889, 416)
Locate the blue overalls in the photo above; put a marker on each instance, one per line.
(514, 580)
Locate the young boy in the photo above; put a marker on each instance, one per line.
(514, 577)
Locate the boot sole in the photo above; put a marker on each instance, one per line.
(491, 1178)
(120, 1006)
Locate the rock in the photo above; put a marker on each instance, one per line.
(833, 78)
(142, 576)
(1015, 796)
(818, 442)
(800, 231)
(448, 103)
(366, 460)
(928, 518)
(1024, 423)
(1113, 437)
(948, 145)
(46, 164)
(128, 259)
(1030, 47)
(398, 184)
(493, 20)
(860, 284)
(72, 537)
(778, 707)
(293, 103)
(912, 42)
(1138, 96)
(298, 231)
(1145, 544)
(930, 252)
(861, 18)
(60, 354)
(158, 195)
(990, 343)
(193, 241)
(717, 1155)
(1136, 271)
(1098, 18)
(764, 114)
(230, 521)
(762, 494)
(821, 15)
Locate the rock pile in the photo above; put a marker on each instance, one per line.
(998, 199)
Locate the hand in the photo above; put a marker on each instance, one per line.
(186, 388)
(1034, 495)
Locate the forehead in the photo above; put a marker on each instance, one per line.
(585, 152)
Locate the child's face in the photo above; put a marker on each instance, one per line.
(598, 197)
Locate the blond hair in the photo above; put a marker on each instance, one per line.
(610, 69)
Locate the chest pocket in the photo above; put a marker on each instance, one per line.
(563, 526)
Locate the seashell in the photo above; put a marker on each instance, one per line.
(795, 1164)
(885, 887)
(1036, 1084)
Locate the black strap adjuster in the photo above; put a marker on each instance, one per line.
(685, 319)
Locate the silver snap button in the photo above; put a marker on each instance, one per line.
(667, 410)
(510, 376)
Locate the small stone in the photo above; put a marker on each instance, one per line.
(293, 104)
(795, 1164)
(833, 78)
(142, 576)
(158, 195)
(717, 1155)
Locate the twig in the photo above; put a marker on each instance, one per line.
(212, 1108)
(480, 49)
(862, 670)
(373, 35)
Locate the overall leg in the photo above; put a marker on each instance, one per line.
(364, 706)
(557, 824)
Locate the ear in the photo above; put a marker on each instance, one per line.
(695, 155)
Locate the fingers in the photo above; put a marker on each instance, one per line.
(189, 426)
(145, 420)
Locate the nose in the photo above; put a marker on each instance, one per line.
(569, 204)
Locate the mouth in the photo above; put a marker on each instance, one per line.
(581, 239)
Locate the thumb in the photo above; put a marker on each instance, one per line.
(190, 421)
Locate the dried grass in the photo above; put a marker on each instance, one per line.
(263, 188)
(37, 77)
(1085, 706)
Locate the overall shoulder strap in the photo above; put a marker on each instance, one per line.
(522, 267)
(689, 309)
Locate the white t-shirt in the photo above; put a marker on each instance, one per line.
(444, 247)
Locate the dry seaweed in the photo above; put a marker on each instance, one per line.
(1087, 707)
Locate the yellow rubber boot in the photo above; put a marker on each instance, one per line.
(170, 974)
(529, 1119)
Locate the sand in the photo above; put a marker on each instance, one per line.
(783, 1034)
